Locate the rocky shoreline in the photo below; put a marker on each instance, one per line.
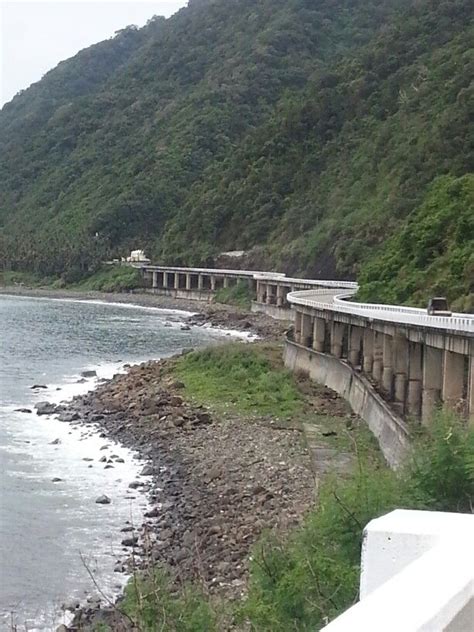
(214, 482)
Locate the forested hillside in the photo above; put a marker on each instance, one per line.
(328, 138)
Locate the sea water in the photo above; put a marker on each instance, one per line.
(58, 545)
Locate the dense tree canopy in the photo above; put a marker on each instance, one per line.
(312, 134)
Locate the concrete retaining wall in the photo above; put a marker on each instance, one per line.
(278, 313)
(390, 431)
(192, 295)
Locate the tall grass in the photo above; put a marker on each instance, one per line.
(242, 377)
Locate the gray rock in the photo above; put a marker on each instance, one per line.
(103, 500)
(23, 410)
(45, 408)
(90, 373)
(55, 442)
(148, 470)
(153, 513)
(135, 485)
(38, 386)
(56, 480)
(69, 416)
(130, 541)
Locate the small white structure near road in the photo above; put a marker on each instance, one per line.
(138, 256)
(417, 575)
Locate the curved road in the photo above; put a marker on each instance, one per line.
(337, 300)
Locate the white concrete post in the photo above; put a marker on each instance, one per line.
(188, 281)
(319, 334)
(165, 280)
(226, 282)
(269, 299)
(155, 279)
(200, 281)
(176, 280)
(213, 283)
(387, 359)
(432, 382)
(414, 378)
(453, 378)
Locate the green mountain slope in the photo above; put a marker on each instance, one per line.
(306, 132)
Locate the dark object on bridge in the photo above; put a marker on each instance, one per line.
(438, 306)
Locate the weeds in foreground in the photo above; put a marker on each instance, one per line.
(304, 579)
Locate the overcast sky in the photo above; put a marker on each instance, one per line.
(35, 35)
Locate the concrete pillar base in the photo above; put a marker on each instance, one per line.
(414, 398)
(430, 400)
(377, 370)
(354, 357)
(387, 380)
(400, 387)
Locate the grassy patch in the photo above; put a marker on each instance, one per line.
(246, 378)
(238, 294)
(112, 279)
(151, 602)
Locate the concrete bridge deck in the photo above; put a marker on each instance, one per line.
(414, 360)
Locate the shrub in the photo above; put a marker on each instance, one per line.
(152, 603)
(440, 474)
(239, 294)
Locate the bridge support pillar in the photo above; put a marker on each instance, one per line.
(298, 317)
(200, 281)
(319, 334)
(387, 360)
(368, 351)
(213, 283)
(453, 378)
(377, 364)
(400, 354)
(337, 334)
(306, 331)
(355, 339)
(280, 297)
(154, 283)
(226, 282)
(269, 297)
(470, 398)
(414, 378)
(165, 280)
(188, 281)
(432, 382)
(176, 280)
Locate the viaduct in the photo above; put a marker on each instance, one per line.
(393, 364)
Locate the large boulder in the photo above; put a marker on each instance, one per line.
(45, 408)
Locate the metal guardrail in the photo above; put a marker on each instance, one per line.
(210, 271)
(463, 323)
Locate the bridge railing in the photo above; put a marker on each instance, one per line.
(393, 313)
